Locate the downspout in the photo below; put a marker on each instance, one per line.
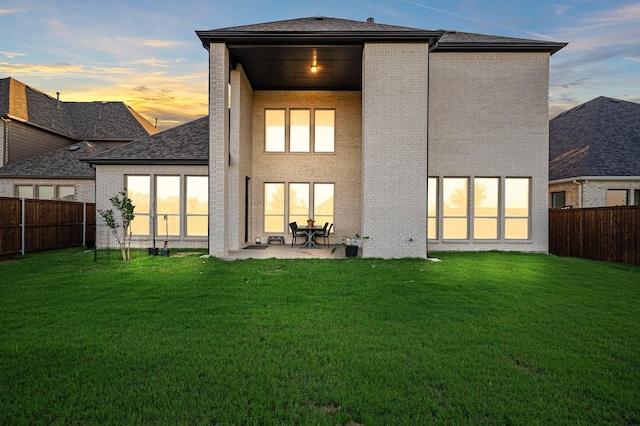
(579, 192)
(426, 239)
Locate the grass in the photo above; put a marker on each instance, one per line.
(479, 338)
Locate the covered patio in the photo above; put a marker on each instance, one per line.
(285, 252)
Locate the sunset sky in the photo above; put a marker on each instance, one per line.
(146, 52)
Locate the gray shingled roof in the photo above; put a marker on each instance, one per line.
(321, 27)
(598, 138)
(77, 120)
(185, 144)
(316, 24)
(61, 163)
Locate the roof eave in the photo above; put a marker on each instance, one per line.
(315, 38)
(148, 162)
(551, 47)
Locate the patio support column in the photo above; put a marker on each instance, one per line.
(218, 148)
(394, 149)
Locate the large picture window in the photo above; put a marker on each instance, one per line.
(516, 208)
(24, 191)
(324, 130)
(168, 205)
(485, 208)
(454, 215)
(616, 197)
(274, 131)
(432, 208)
(323, 203)
(298, 202)
(197, 206)
(274, 207)
(139, 190)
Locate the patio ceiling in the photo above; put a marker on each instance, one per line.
(288, 67)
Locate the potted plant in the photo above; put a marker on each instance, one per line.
(310, 222)
(350, 245)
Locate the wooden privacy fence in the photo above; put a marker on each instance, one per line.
(611, 234)
(37, 225)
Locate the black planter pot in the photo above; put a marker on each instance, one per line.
(153, 251)
(351, 251)
(165, 252)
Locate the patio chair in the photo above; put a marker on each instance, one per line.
(325, 233)
(295, 233)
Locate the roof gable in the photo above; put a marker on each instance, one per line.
(185, 144)
(598, 138)
(77, 120)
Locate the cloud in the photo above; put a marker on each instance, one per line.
(8, 11)
(559, 9)
(143, 42)
(12, 55)
(623, 15)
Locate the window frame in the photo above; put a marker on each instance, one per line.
(281, 214)
(189, 215)
(483, 217)
(557, 194)
(137, 212)
(448, 217)
(283, 135)
(512, 218)
(316, 132)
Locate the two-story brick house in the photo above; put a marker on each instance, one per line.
(421, 140)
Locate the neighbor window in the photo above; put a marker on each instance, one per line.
(67, 193)
(274, 207)
(636, 197)
(432, 208)
(454, 214)
(46, 192)
(323, 203)
(516, 208)
(168, 205)
(24, 191)
(139, 191)
(298, 202)
(616, 197)
(558, 199)
(485, 208)
(197, 206)
(299, 130)
(274, 134)
(324, 130)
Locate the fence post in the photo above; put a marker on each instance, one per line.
(22, 248)
(84, 224)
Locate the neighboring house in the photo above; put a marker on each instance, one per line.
(56, 175)
(166, 176)
(594, 155)
(421, 140)
(33, 123)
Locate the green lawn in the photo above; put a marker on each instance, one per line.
(479, 338)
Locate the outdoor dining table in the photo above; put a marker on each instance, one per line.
(311, 231)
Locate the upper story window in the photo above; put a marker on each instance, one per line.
(274, 134)
(299, 130)
(324, 130)
(298, 138)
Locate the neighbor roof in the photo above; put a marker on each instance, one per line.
(598, 138)
(77, 120)
(185, 144)
(61, 163)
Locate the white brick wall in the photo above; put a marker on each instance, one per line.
(112, 179)
(488, 117)
(342, 167)
(218, 149)
(395, 95)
